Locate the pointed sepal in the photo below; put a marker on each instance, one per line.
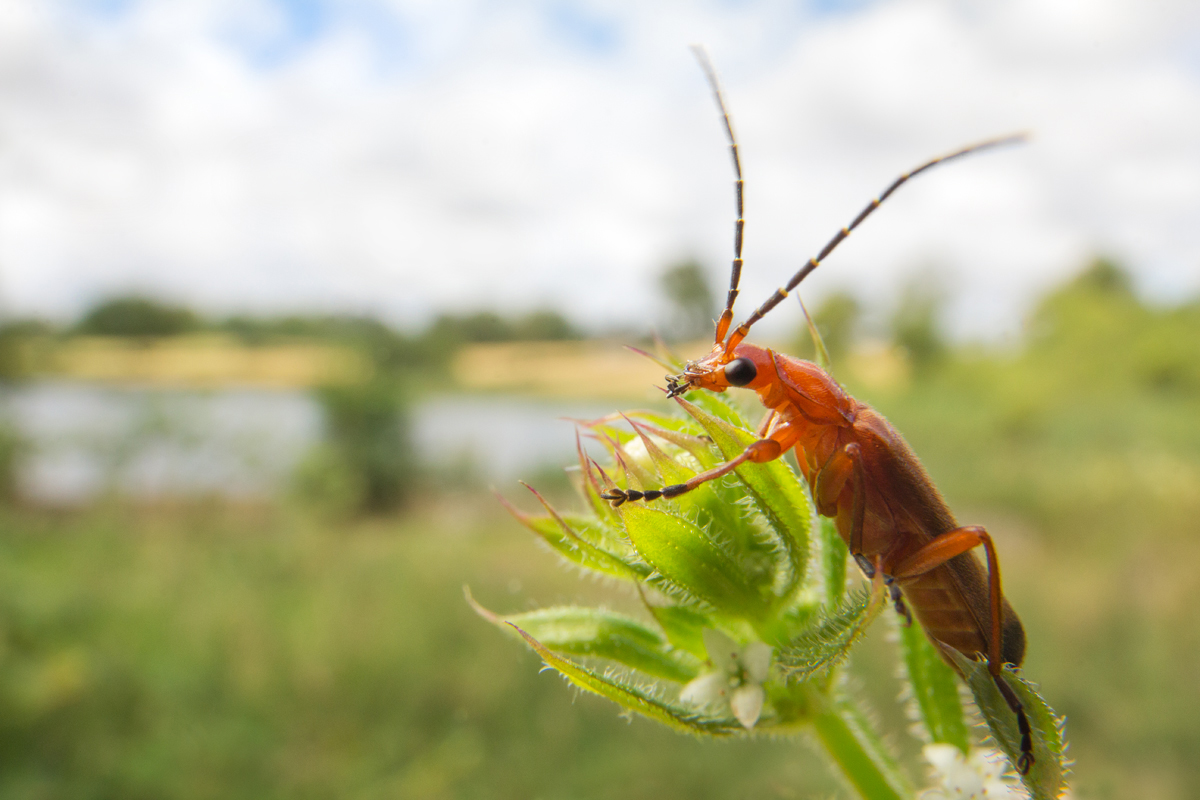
(774, 489)
(687, 558)
(574, 546)
(1046, 778)
(827, 641)
(598, 633)
(632, 697)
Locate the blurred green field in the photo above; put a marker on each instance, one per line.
(213, 650)
(220, 652)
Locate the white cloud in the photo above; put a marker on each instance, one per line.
(417, 156)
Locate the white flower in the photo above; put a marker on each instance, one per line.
(736, 681)
(977, 777)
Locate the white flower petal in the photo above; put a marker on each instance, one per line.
(635, 448)
(756, 658)
(943, 757)
(747, 703)
(722, 650)
(957, 778)
(988, 762)
(960, 778)
(709, 689)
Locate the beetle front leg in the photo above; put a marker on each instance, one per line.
(757, 452)
(765, 427)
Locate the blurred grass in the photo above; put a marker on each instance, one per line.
(213, 651)
(194, 361)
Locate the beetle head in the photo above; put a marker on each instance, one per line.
(746, 366)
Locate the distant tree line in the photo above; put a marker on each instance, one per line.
(1080, 313)
(389, 349)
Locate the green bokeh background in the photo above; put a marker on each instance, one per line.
(209, 649)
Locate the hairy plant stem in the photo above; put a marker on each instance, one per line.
(858, 752)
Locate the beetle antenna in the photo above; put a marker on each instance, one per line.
(813, 263)
(735, 275)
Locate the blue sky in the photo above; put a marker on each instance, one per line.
(399, 157)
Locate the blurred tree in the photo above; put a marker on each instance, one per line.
(14, 366)
(915, 324)
(1105, 276)
(482, 326)
(686, 287)
(544, 325)
(1100, 298)
(367, 462)
(1094, 332)
(13, 337)
(452, 330)
(137, 316)
(387, 349)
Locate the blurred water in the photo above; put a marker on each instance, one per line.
(84, 439)
(503, 438)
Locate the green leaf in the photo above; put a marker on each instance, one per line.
(591, 487)
(633, 697)
(718, 406)
(667, 355)
(685, 555)
(822, 354)
(698, 447)
(717, 506)
(670, 471)
(596, 633)
(775, 490)
(828, 641)
(683, 626)
(833, 554)
(849, 738)
(934, 690)
(1047, 777)
(639, 475)
(664, 357)
(571, 545)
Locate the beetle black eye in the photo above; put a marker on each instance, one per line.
(740, 371)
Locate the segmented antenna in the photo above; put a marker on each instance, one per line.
(735, 275)
(781, 293)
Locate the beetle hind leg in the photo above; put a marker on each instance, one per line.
(936, 553)
(1025, 761)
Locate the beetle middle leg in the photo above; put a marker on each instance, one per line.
(898, 600)
(845, 467)
(893, 588)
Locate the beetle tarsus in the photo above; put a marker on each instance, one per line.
(1026, 759)
(898, 602)
(618, 496)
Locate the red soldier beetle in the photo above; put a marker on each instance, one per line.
(861, 471)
